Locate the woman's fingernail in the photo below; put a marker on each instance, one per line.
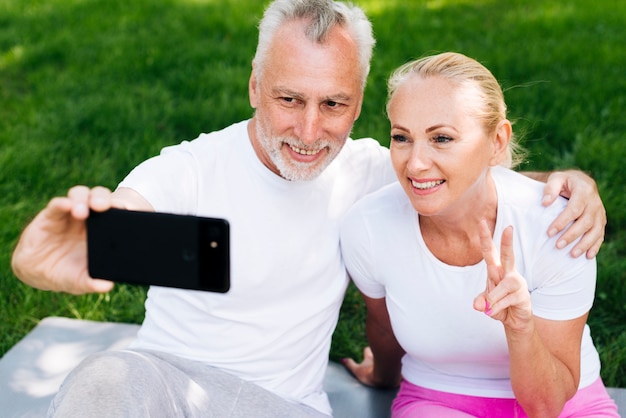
(561, 244)
(487, 309)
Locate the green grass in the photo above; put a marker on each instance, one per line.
(89, 88)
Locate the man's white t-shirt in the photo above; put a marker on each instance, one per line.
(288, 279)
(451, 347)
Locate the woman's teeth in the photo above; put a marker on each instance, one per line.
(426, 185)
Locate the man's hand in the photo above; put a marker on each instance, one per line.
(584, 209)
(52, 251)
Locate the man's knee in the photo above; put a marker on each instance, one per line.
(110, 371)
(105, 383)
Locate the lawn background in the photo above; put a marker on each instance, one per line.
(90, 88)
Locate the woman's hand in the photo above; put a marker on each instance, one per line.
(363, 371)
(544, 354)
(382, 360)
(506, 296)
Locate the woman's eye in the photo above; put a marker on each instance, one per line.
(398, 138)
(442, 139)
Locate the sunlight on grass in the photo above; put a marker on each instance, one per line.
(374, 7)
(11, 57)
(440, 4)
(550, 11)
(197, 1)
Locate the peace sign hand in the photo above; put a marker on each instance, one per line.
(506, 296)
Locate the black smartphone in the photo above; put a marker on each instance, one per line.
(161, 249)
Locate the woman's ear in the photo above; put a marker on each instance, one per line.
(501, 140)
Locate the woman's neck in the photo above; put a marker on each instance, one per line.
(452, 236)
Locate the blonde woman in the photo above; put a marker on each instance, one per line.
(471, 307)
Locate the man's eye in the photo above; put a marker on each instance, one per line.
(331, 103)
(288, 99)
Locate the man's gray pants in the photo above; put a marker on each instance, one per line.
(150, 384)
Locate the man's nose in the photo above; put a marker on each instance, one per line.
(310, 125)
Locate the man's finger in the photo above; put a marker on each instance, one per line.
(79, 195)
(592, 232)
(100, 199)
(554, 184)
(592, 251)
(58, 208)
(570, 214)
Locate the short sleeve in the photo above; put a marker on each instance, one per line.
(168, 181)
(566, 288)
(357, 252)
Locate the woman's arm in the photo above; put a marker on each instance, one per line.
(545, 364)
(382, 360)
(544, 354)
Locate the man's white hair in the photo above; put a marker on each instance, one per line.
(322, 16)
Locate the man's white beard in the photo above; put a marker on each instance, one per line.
(288, 168)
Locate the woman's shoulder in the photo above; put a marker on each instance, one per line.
(523, 193)
(379, 209)
(388, 198)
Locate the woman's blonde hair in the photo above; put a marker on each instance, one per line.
(462, 69)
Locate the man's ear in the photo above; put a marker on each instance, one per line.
(253, 85)
(501, 140)
(359, 107)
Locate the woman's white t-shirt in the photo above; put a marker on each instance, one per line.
(450, 346)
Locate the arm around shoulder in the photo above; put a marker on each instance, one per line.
(585, 213)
